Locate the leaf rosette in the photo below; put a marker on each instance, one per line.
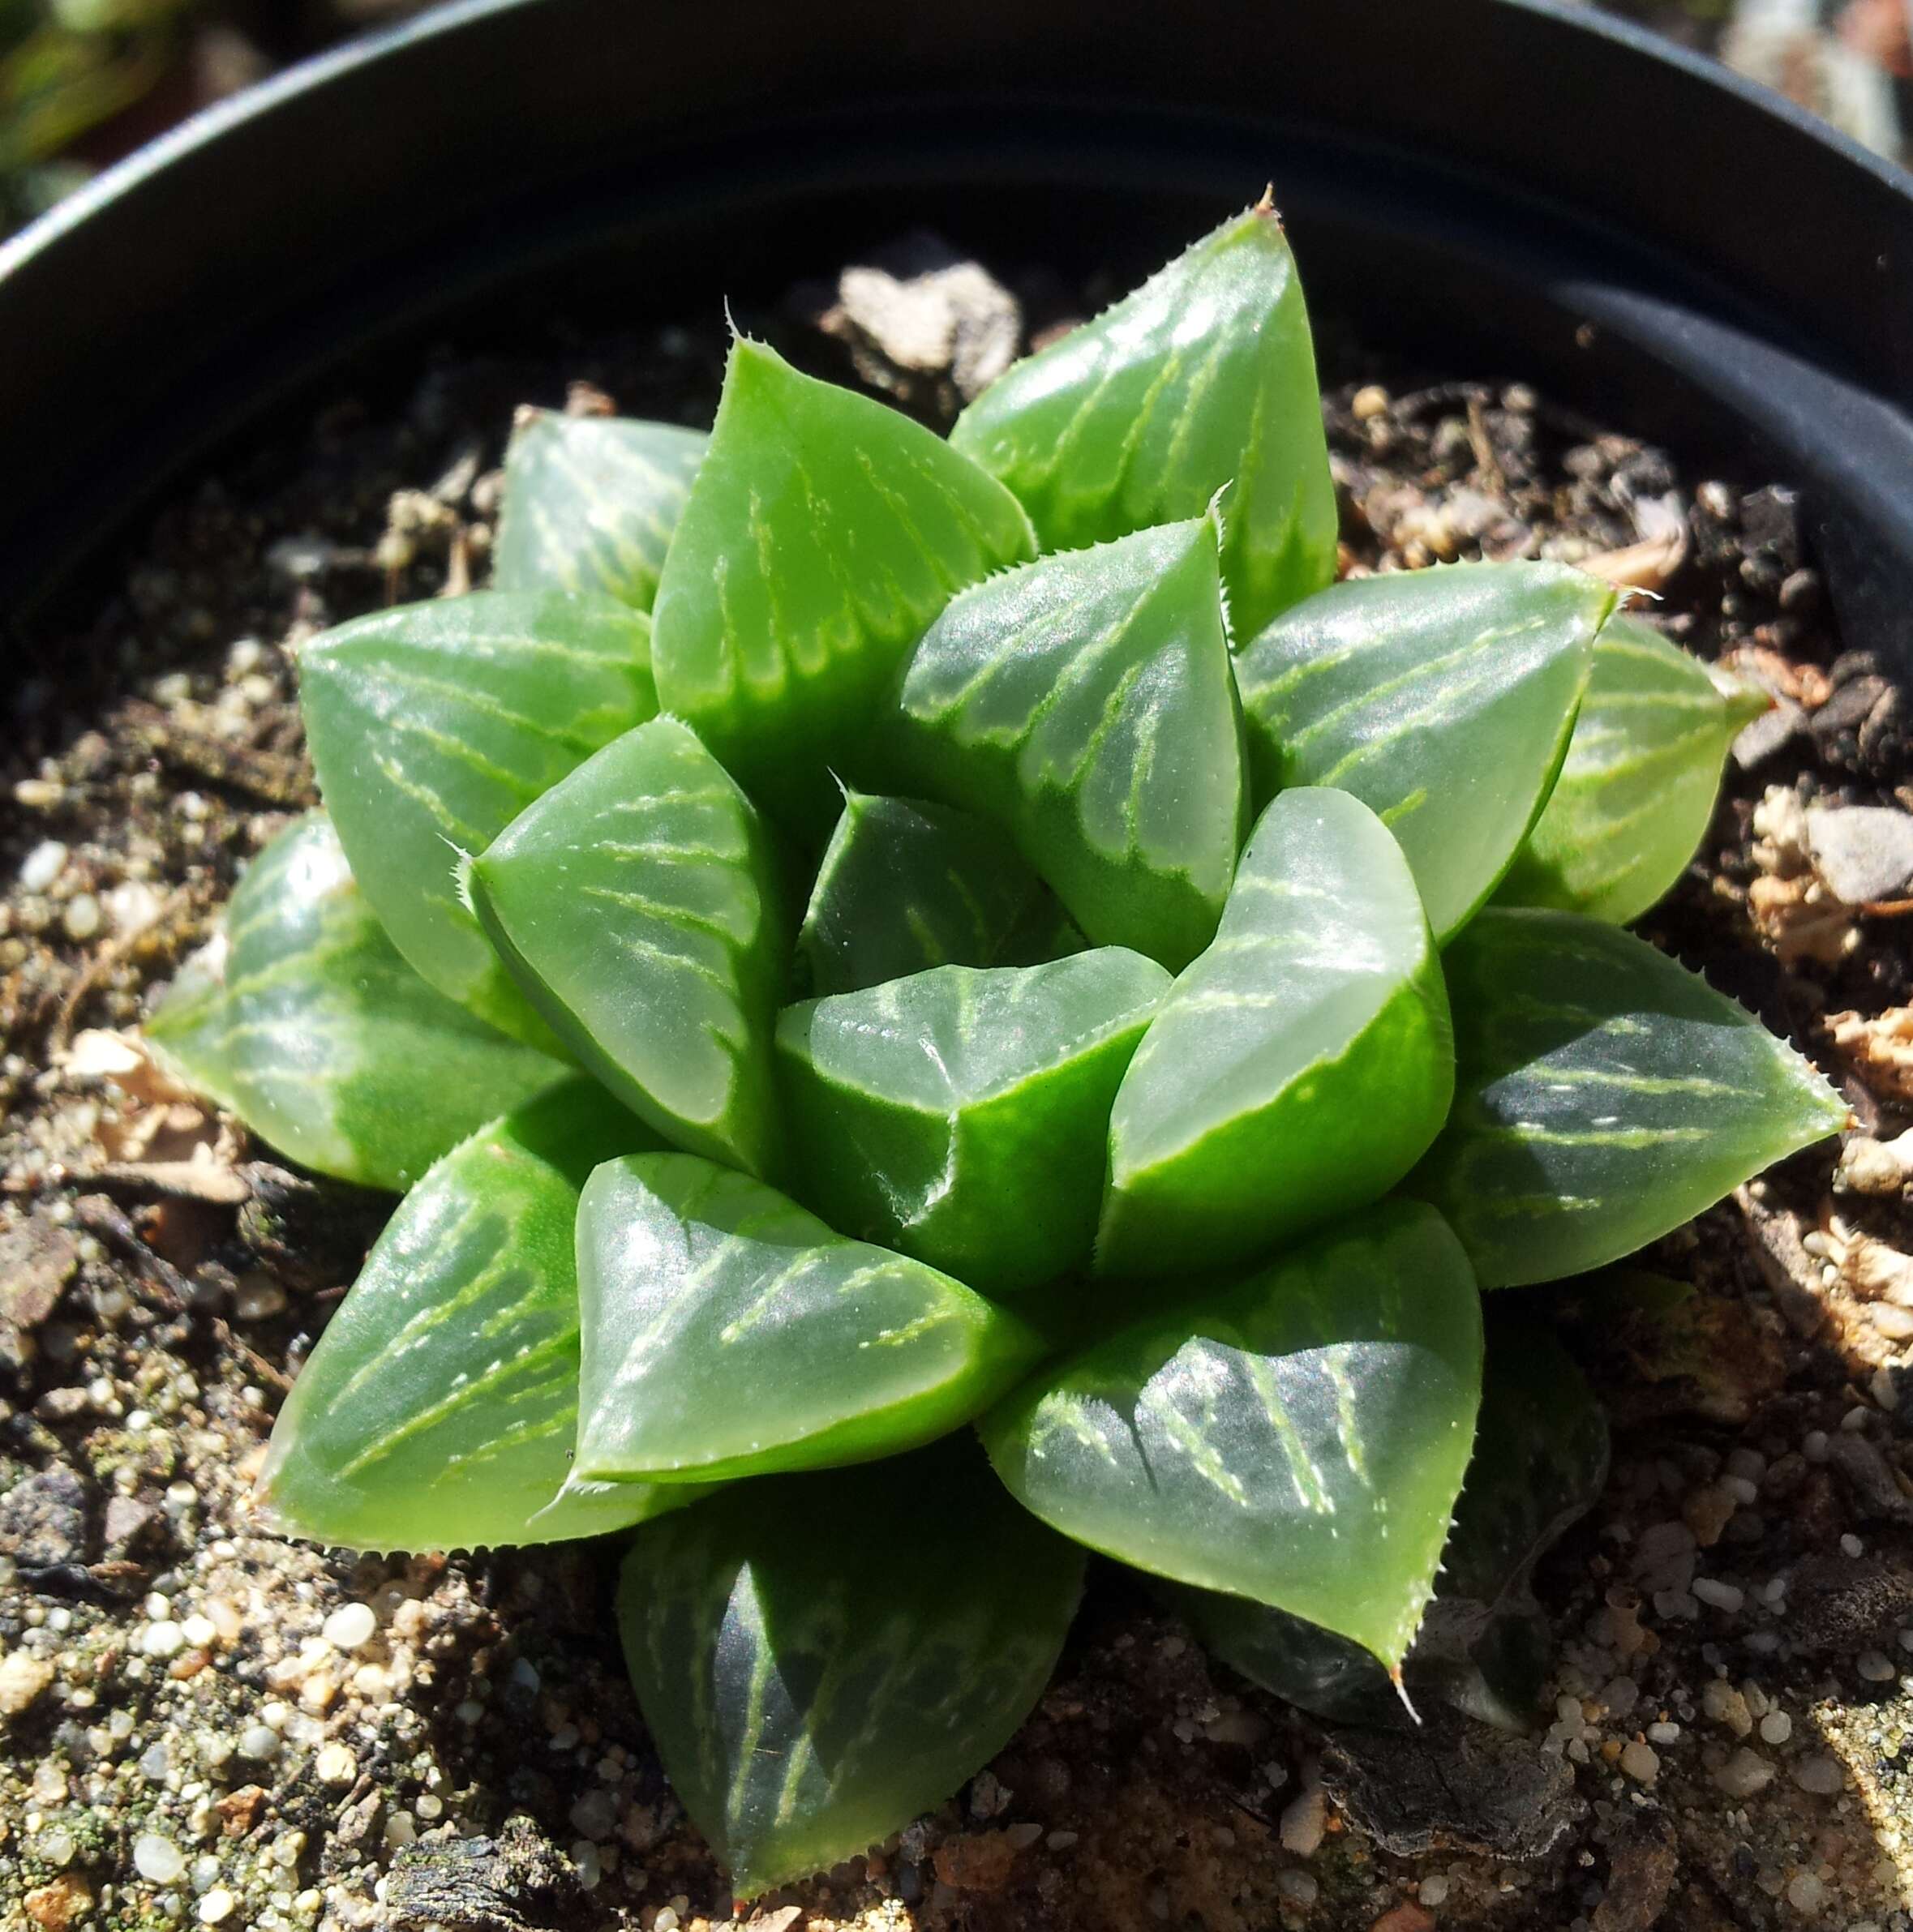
(997, 950)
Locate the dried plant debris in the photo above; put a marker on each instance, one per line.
(203, 1725)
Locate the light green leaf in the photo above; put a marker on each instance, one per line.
(435, 725)
(1297, 1438)
(1299, 1067)
(816, 1672)
(1604, 1096)
(590, 503)
(1443, 698)
(1539, 1463)
(1637, 789)
(906, 885)
(438, 1410)
(962, 1115)
(1085, 703)
(636, 904)
(728, 1332)
(1204, 377)
(303, 1019)
(824, 532)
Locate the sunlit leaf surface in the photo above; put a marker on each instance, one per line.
(817, 1672)
(1539, 1462)
(1085, 703)
(1204, 377)
(823, 533)
(1298, 1067)
(439, 1409)
(636, 904)
(306, 1022)
(1297, 1438)
(1604, 1095)
(1441, 698)
(962, 1115)
(1637, 789)
(590, 503)
(729, 1332)
(906, 885)
(435, 725)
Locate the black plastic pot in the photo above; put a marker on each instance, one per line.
(1507, 185)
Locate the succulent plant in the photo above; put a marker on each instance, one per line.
(862, 935)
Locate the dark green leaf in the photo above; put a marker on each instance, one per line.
(1539, 1462)
(636, 904)
(1298, 1438)
(304, 1021)
(962, 1115)
(590, 503)
(823, 531)
(1443, 698)
(728, 1332)
(438, 1410)
(1299, 1067)
(816, 1669)
(1637, 788)
(906, 885)
(1085, 702)
(434, 725)
(1605, 1095)
(1204, 377)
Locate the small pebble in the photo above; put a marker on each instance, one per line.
(258, 1741)
(1641, 1763)
(1663, 1733)
(157, 1858)
(1369, 402)
(350, 1626)
(336, 1765)
(1874, 1668)
(43, 865)
(1061, 1841)
(1304, 1820)
(216, 1906)
(1743, 1774)
(1723, 1596)
(1852, 1545)
(1434, 1890)
(81, 917)
(1822, 1775)
(1776, 1728)
(1806, 1893)
(1298, 1887)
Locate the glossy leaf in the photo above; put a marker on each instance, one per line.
(1204, 378)
(728, 1332)
(1085, 703)
(823, 533)
(1605, 1095)
(1299, 1067)
(817, 1672)
(435, 725)
(438, 1410)
(1441, 698)
(1298, 1438)
(906, 885)
(1539, 1464)
(636, 905)
(303, 1019)
(962, 1115)
(590, 503)
(1637, 789)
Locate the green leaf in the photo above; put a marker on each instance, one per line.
(962, 1115)
(1085, 703)
(1299, 1067)
(1604, 1096)
(906, 885)
(435, 725)
(824, 532)
(438, 1410)
(1539, 1463)
(636, 904)
(303, 1019)
(590, 503)
(1204, 377)
(728, 1332)
(1298, 1438)
(1443, 698)
(817, 1672)
(1637, 789)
